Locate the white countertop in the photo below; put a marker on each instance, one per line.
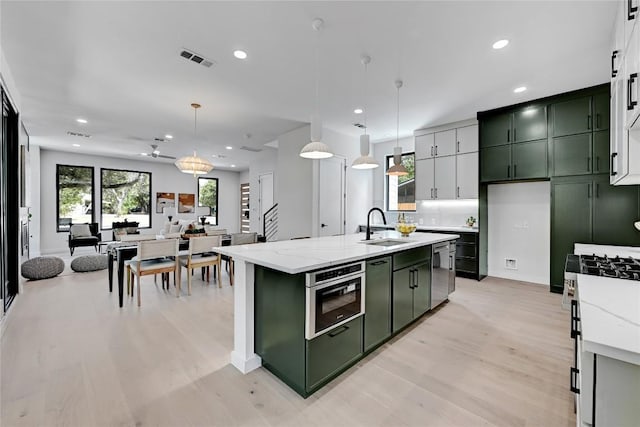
(459, 229)
(610, 317)
(302, 255)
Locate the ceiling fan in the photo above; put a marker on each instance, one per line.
(155, 153)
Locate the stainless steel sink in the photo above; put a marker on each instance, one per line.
(386, 242)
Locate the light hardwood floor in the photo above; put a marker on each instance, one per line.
(498, 353)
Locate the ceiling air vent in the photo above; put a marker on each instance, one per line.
(360, 125)
(253, 150)
(84, 135)
(159, 140)
(197, 58)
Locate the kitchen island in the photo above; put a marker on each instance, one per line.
(268, 270)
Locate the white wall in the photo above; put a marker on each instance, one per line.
(266, 161)
(165, 177)
(34, 200)
(519, 228)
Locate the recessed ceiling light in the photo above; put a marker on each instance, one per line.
(358, 111)
(240, 54)
(168, 136)
(228, 147)
(500, 44)
(76, 145)
(83, 121)
(520, 89)
(233, 166)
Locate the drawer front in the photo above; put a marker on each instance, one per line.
(411, 257)
(466, 264)
(468, 237)
(329, 353)
(466, 250)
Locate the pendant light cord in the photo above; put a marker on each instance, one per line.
(366, 80)
(398, 119)
(317, 72)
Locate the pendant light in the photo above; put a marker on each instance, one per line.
(397, 169)
(316, 149)
(194, 164)
(365, 161)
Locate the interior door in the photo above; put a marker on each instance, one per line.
(265, 202)
(331, 207)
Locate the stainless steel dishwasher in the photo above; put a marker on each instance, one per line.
(440, 263)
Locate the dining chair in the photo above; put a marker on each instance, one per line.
(200, 255)
(238, 239)
(154, 257)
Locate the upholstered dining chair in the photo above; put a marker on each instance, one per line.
(239, 239)
(200, 255)
(155, 257)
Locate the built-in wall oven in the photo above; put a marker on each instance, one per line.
(334, 297)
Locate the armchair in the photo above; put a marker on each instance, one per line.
(84, 235)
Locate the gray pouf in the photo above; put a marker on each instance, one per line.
(43, 267)
(86, 263)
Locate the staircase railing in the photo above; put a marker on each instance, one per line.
(270, 223)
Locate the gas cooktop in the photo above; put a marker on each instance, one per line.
(618, 267)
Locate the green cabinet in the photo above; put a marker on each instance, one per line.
(587, 209)
(601, 103)
(377, 311)
(495, 130)
(332, 352)
(572, 155)
(530, 123)
(601, 152)
(411, 293)
(529, 160)
(495, 163)
(572, 116)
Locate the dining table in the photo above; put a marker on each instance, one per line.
(124, 251)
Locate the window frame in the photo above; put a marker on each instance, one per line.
(150, 195)
(217, 196)
(93, 194)
(386, 182)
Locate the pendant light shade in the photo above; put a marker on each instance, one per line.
(637, 225)
(316, 149)
(365, 161)
(397, 169)
(194, 164)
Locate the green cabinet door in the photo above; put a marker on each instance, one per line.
(495, 163)
(601, 151)
(572, 116)
(377, 310)
(570, 222)
(529, 160)
(571, 155)
(601, 111)
(422, 289)
(402, 298)
(615, 209)
(530, 123)
(495, 130)
(332, 352)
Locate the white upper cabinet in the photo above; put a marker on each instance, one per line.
(467, 176)
(630, 16)
(424, 176)
(424, 146)
(467, 139)
(445, 143)
(445, 170)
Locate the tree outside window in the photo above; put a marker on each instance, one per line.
(208, 196)
(126, 195)
(401, 190)
(75, 196)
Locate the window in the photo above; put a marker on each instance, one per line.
(401, 190)
(74, 202)
(208, 196)
(126, 195)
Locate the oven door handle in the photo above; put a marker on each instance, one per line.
(344, 328)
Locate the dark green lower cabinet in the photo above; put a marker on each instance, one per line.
(615, 209)
(529, 160)
(495, 163)
(330, 353)
(411, 294)
(572, 155)
(377, 311)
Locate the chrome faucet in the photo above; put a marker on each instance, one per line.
(369, 218)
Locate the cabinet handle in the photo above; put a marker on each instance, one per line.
(573, 380)
(597, 120)
(379, 262)
(432, 193)
(614, 55)
(597, 164)
(508, 171)
(613, 156)
(514, 135)
(630, 102)
(345, 328)
(458, 146)
(574, 319)
(515, 171)
(588, 164)
(588, 191)
(415, 278)
(436, 192)
(432, 151)
(508, 135)
(597, 190)
(458, 193)
(589, 122)
(436, 150)
(631, 10)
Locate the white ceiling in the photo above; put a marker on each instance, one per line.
(117, 64)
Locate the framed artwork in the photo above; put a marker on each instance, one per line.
(165, 200)
(186, 202)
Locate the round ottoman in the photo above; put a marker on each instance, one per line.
(42, 267)
(86, 263)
